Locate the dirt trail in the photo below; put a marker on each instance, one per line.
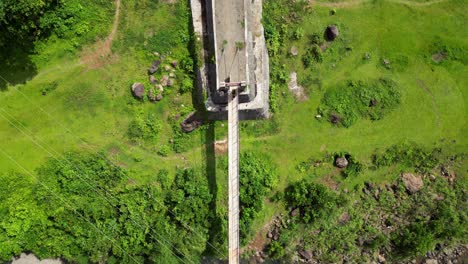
(358, 2)
(94, 55)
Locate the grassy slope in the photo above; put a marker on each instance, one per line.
(386, 30)
(96, 106)
(91, 108)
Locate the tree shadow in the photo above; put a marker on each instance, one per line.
(16, 66)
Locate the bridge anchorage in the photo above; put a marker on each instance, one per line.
(233, 45)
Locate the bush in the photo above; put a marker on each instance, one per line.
(313, 54)
(408, 155)
(144, 128)
(353, 169)
(257, 176)
(314, 200)
(275, 250)
(298, 33)
(346, 104)
(164, 151)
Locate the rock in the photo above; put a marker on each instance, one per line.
(152, 79)
(167, 68)
(377, 194)
(164, 80)
(156, 54)
(344, 218)
(304, 254)
(174, 63)
(172, 75)
(159, 97)
(431, 261)
(294, 51)
(331, 33)
(269, 235)
(160, 88)
(295, 212)
(381, 259)
(386, 63)
(432, 177)
(341, 162)
(192, 122)
(151, 96)
(138, 90)
(170, 82)
(412, 182)
(154, 67)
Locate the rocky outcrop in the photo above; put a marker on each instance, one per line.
(412, 182)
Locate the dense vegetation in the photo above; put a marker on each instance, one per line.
(134, 188)
(358, 99)
(384, 219)
(81, 209)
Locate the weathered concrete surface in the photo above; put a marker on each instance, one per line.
(230, 37)
(254, 101)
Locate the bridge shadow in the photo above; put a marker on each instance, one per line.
(16, 66)
(216, 243)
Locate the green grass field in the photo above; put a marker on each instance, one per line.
(92, 107)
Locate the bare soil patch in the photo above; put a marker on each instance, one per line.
(100, 53)
(221, 146)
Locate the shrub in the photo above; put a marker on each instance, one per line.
(144, 128)
(298, 33)
(346, 104)
(313, 54)
(275, 250)
(257, 176)
(314, 200)
(164, 151)
(408, 155)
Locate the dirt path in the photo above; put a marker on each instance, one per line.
(358, 2)
(95, 55)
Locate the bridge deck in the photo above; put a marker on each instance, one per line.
(230, 31)
(233, 180)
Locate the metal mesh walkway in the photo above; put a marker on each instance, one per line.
(233, 143)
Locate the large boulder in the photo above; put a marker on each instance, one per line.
(138, 90)
(331, 33)
(413, 183)
(341, 162)
(154, 67)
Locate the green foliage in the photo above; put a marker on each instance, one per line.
(189, 199)
(409, 155)
(346, 104)
(314, 200)
(279, 17)
(164, 151)
(313, 54)
(415, 240)
(298, 33)
(189, 203)
(144, 128)
(354, 167)
(49, 88)
(275, 250)
(257, 176)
